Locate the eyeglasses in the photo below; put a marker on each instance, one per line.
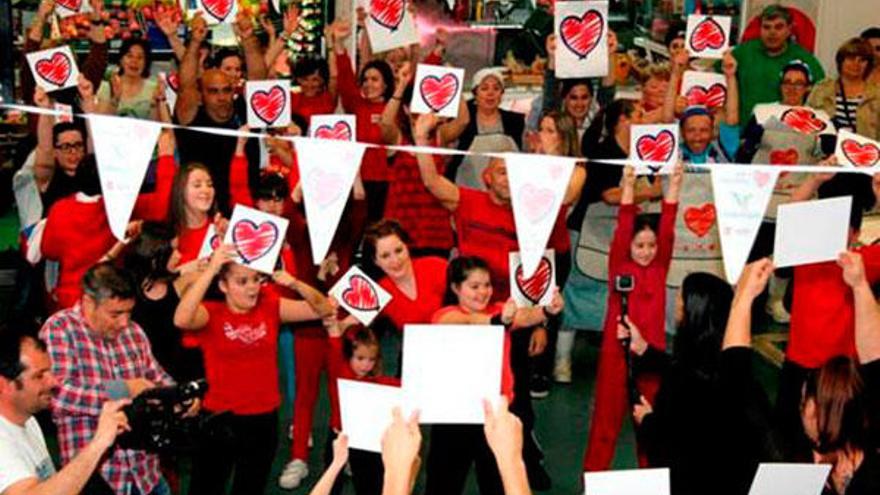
(67, 147)
(796, 85)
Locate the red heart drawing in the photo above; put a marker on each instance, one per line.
(537, 285)
(538, 201)
(253, 242)
(71, 5)
(784, 157)
(173, 81)
(327, 186)
(437, 92)
(700, 219)
(707, 34)
(713, 97)
(215, 242)
(388, 13)
(360, 294)
(861, 155)
(218, 9)
(55, 69)
(657, 148)
(268, 105)
(803, 120)
(340, 131)
(581, 35)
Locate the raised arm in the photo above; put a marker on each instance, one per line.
(504, 435)
(609, 80)
(575, 184)
(324, 486)
(388, 123)
(866, 309)
(731, 108)
(451, 130)
(679, 65)
(45, 151)
(166, 20)
(188, 97)
(751, 283)
(191, 314)
(253, 54)
(442, 188)
(400, 453)
(314, 305)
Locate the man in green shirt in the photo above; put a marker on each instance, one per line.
(761, 61)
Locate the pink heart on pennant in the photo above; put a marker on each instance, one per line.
(437, 92)
(707, 34)
(581, 35)
(55, 69)
(861, 155)
(657, 148)
(762, 178)
(218, 9)
(268, 105)
(253, 242)
(326, 186)
(538, 202)
(360, 294)
(537, 285)
(713, 97)
(700, 219)
(340, 131)
(388, 13)
(71, 5)
(803, 120)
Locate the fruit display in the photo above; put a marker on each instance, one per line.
(122, 20)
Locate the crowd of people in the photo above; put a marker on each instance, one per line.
(98, 322)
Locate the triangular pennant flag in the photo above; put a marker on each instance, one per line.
(741, 197)
(123, 148)
(327, 169)
(537, 187)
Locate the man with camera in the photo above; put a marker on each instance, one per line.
(99, 354)
(26, 388)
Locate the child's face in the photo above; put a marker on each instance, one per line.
(475, 292)
(241, 285)
(273, 206)
(643, 247)
(698, 133)
(363, 360)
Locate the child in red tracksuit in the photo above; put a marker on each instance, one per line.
(643, 252)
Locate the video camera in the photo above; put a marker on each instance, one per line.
(157, 421)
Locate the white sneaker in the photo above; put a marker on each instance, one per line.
(562, 371)
(777, 311)
(294, 472)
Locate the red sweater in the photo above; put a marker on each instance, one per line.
(647, 301)
(374, 166)
(323, 103)
(822, 313)
(338, 368)
(430, 275)
(189, 242)
(77, 233)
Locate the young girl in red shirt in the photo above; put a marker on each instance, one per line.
(455, 447)
(642, 251)
(239, 338)
(193, 210)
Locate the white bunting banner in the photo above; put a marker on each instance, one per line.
(581, 39)
(437, 89)
(741, 198)
(257, 237)
(54, 69)
(537, 187)
(390, 24)
(327, 170)
(123, 148)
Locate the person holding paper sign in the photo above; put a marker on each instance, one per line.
(239, 338)
(455, 447)
(642, 250)
(193, 210)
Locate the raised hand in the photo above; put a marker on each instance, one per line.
(853, 268)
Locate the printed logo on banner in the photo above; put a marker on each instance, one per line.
(582, 34)
(360, 295)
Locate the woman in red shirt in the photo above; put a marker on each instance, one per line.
(239, 338)
(455, 447)
(193, 206)
(642, 251)
(317, 83)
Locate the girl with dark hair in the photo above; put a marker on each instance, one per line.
(640, 251)
(317, 82)
(130, 91)
(193, 209)
(455, 447)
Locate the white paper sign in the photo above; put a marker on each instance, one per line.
(123, 148)
(209, 243)
(628, 482)
(327, 170)
(67, 8)
(536, 290)
(811, 231)
(451, 394)
(437, 89)
(537, 188)
(790, 479)
(741, 197)
(856, 151)
(54, 68)
(360, 295)
(390, 24)
(342, 127)
(268, 103)
(257, 237)
(804, 120)
(172, 87)
(217, 11)
(704, 88)
(66, 112)
(654, 143)
(581, 39)
(366, 412)
(707, 36)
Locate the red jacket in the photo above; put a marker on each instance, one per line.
(374, 166)
(339, 368)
